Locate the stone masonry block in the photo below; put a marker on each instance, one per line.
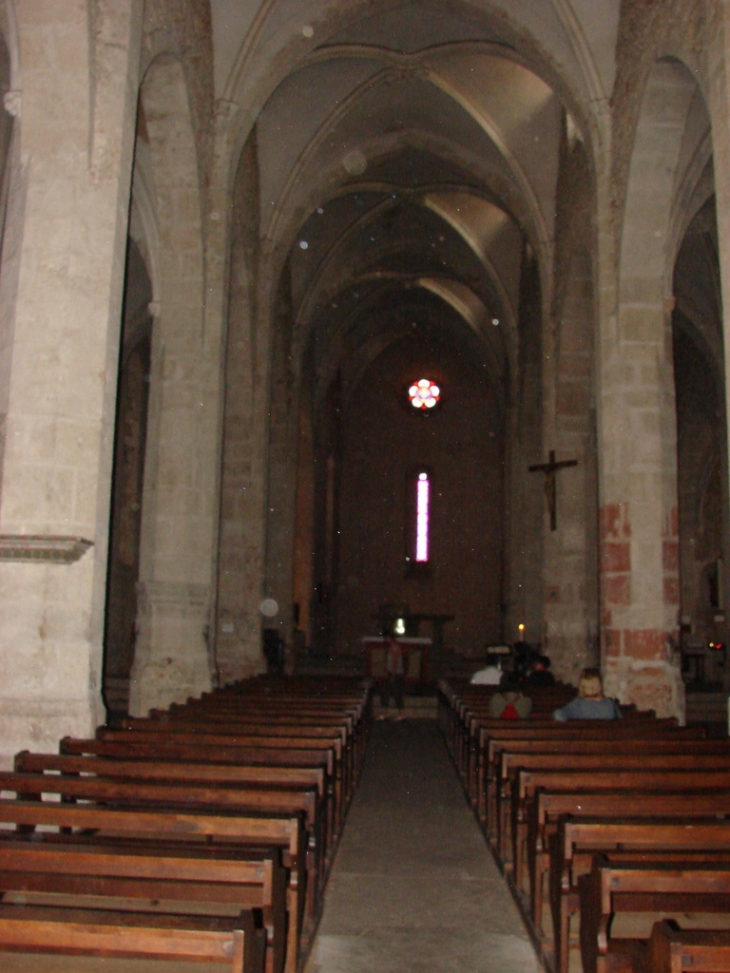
(615, 557)
(670, 555)
(611, 638)
(614, 521)
(647, 643)
(671, 591)
(641, 325)
(616, 589)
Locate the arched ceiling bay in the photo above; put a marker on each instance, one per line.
(408, 148)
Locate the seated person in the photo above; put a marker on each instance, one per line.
(590, 703)
(509, 703)
(490, 675)
(540, 674)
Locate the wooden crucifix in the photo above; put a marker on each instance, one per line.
(550, 469)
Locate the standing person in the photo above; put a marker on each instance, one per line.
(590, 703)
(395, 668)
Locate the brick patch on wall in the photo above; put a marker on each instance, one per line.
(615, 560)
(614, 523)
(644, 643)
(671, 591)
(615, 557)
(616, 589)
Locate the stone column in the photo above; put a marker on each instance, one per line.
(238, 640)
(570, 561)
(639, 543)
(60, 311)
(172, 658)
(282, 472)
(718, 61)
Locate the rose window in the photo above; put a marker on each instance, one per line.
(424, 394)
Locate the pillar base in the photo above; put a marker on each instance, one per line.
(39, 724)
(653, 685)
(171, 659)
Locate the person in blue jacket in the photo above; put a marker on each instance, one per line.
(590, 703)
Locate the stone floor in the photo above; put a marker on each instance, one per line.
(414, 888)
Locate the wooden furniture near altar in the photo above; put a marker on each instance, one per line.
(389, 616)
(415, 651)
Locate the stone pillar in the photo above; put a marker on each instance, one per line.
(639, 543)
(238, 639)
(172, 659)
(60, 311)
(718, 60)
(282, 472)
(524, 499)
(570, 562)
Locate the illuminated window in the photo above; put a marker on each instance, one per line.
(423, 497)
(424, 394)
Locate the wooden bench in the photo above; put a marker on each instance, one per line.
(674, 950)
(276, 778)
(603, 758)
(235, 942)
(527, 783)
(218, 742)
(577, 840)
(596, 733)
(493, 740)
(666, 887)
(285, 701)
(184, 836)
(268, 729)
(506, 756)
(198, 797)
(547, 807)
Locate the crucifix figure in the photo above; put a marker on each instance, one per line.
(550, 469)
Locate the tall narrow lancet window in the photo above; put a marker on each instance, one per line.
(423, 514)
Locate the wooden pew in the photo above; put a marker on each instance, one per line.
(258, 728)
(615, 781)
(674, 950)
(199, 797)
(235, 942)
(285, 699)
(576, 841)
(547, 807)
(276, 778)
(218, 742)
(64, 827)
(496, 736)
(506, 755)
(566, 735)
(666, 887)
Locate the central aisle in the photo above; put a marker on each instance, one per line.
(414, 888)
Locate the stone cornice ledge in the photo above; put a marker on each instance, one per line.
(43, 547)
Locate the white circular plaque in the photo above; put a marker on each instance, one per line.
(269, 608)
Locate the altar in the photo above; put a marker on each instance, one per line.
(415, 657)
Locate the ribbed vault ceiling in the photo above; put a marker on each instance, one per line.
(409, 148)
